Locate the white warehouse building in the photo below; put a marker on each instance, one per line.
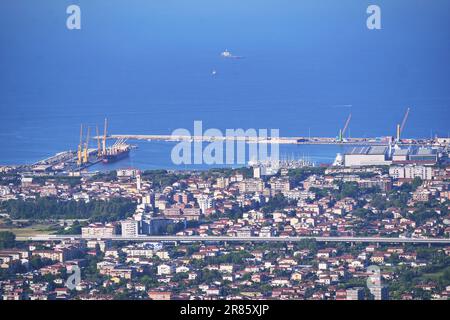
(367, 156)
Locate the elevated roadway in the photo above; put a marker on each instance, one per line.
(376, 240)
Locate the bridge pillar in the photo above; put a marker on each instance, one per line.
(429, 244)
(378, 244)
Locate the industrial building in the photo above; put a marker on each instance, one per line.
(367, 156)
(386, 155)
(421, 155)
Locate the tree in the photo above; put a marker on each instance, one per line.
(48, 207)
(36, 262)
(276, 203)
(319, 193)
(348, 189)
(300, 174)
(417, 182)
(7, 239)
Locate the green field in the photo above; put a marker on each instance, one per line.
(33, 230)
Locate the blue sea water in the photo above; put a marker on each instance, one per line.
(147, 66)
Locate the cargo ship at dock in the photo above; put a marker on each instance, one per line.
(103, 153)
(116, 153)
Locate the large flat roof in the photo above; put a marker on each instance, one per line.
(378, 150)
(425, 151)
(373, 150)
(401, 152)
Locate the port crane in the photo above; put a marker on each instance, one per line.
(104, 153)
(99, 150)
(342, 131)
(401, 126)
(86, 148)
(83, 150)
(80, 147)
(104, 137)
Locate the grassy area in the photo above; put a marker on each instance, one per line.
(436, 275)
(33, 230)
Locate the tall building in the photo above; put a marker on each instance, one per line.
(411, 172)
(130, 228)
(154, 226)
(280, 184)
(205, 202)
(149, 200)
(98, 230)
(127, 173)
(379, 292)
(138, 182)
(251, 185)
(355, 294)
(222, 182)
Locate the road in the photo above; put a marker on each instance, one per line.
(441, 241)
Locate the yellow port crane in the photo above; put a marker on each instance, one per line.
(80, 147)
(400, 127)
(86, 148)
(99, 149)
(342, 131)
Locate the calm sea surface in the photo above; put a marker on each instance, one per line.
(148, 66)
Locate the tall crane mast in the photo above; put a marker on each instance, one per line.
(401, 126)
(342, 131)
(99, 150)
(80, 147)
(104, 137)
(86, 148)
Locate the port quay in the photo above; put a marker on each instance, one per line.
(279, 140)
(69, 160)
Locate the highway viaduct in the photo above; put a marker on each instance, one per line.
(375, 240)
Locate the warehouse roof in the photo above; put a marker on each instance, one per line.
(374, 150)
(425, 151)
(378, 150)
(401, 152)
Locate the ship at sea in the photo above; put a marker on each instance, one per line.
(227, 54)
